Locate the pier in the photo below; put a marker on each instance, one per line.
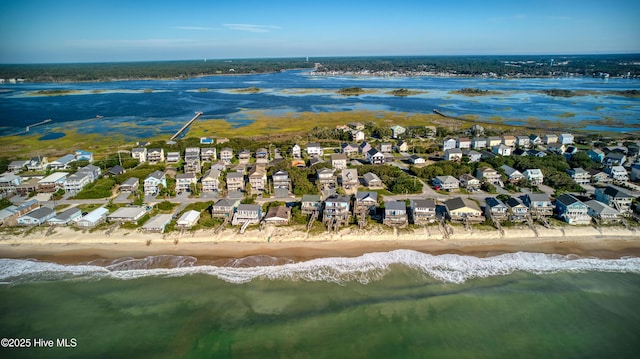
(37, 124)
(186, 125)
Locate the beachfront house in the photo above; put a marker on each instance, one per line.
(224, 208)
(247, 213)
(65, 217)
(188, 219)
(365, 202)
(616, 197)
(395, 214)
(447, 183)
(157, 223)
(601, 212)
(534, 176)
(463, 210)
(572, 210)
(310, 203)
(139, 153)
(93, 218)
(127, 214)
(36, 217)
(130, 185)
(280, 215)
(153, 181)
(539, 204)
(496, 209)
(336, 212)
(423, 211)
(518, 211)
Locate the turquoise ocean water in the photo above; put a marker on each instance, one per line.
(399, 304)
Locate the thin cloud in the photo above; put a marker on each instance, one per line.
(251, 27)
(195, 28)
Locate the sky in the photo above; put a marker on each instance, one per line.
(42, 31)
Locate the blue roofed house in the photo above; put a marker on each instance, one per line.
(596, 155)
(82, 155)
(62, 162)
(572, 210)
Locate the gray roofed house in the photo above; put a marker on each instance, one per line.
(251, 213)
(372, 180)
(224, 207)
(365, 201)
(157, 223)
(463, 209)
(616, 197)
(310, 203)
(127, 214)
(395, 213)
(423, 210)
(65, 217)
(446, 182)
(93, 218)
(539, 203)
(495, 208)
(602, 212)
(36, 217)
(130, 185)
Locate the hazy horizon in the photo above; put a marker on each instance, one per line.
(72, 31)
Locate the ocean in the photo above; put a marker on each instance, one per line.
(398, 304)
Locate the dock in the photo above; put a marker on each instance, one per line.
(37, 124)
(186, 125)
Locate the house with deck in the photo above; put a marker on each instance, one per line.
(235, 181)
(534, 176)
(66, 217)
(372, 180)
(513, 175)
(310, 203)
(184, 182)
(618, 173)
(469, 182)
(130, 185)
(423, 211)
(62, 163)
(337, 212)
(462, 210)
(572, 210)
(449, 143)
(579, 175)
(365, 202)
(281, 184)
(211, 181)
(375, 157)
(616, 197)
(539, 204)
(258, 178)
(488, 175)
(453, 154)
(52, 182)
(76, 182)
(155, 155)
(518, 211)
(224, 208)
(93, 218)
(280, 215)
(338, 161)
(139, 153)
(314, 150)
(395, 214)
(36, 217)
(397, 130)
(479, 143)
(226, 155)
(349, 178)
(188, 219)
(496, 209)
(208, 154)
(326, 179)
(601, 212)
(127, 214)
(348, 149)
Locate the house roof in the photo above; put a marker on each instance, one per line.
(618, 192)
(338, 156)
(127, 212)
(68, 214)
(157, 222)
(370, 176)
(54, 177)
(514, 202)
(130, 181)
(224, 202)
(395, 205)
(533, 172)
(310, 198)
(360, 196)
(116, 170)
(373, 152)
(568, 199)
(248, 207)
(156, 174)
(40, 213)
(601, 208)
(334, 199)
(493, 202)
(96, 214)
(188, 217)
(422, 203)
(538, 197)
(447, 179)
(277, 213)
(458, 202)
(510, 171)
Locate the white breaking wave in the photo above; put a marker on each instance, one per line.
(450, 268)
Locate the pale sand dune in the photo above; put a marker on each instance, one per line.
(68, 245)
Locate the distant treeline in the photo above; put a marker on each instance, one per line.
(145, 70)
(533, 66)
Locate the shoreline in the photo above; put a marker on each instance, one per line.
(66, 246)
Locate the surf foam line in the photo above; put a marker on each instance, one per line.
(449, 268)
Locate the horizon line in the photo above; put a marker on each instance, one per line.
(319, 57)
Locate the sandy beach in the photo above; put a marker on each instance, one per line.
(66, 245)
